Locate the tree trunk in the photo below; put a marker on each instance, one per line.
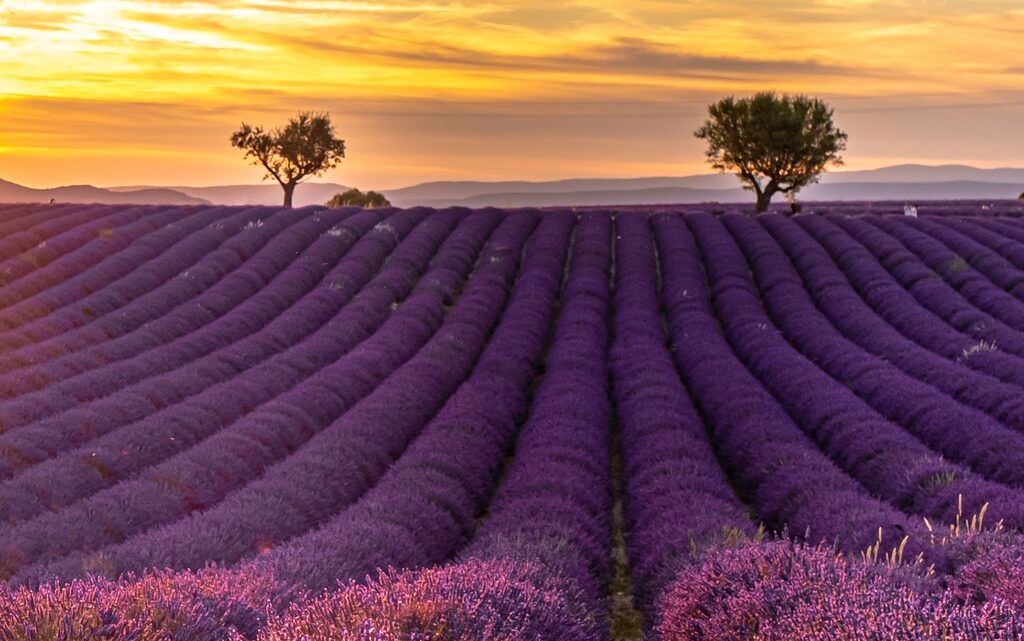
(289, 191)
(763, 200)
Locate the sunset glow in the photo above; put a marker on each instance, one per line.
(116, 92)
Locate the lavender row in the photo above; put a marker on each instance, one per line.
(201, 476)
(140, 319)
(116, 265)
(897, 306)
(54, 242)
(423, 508)
(337, 442)
(851, 315)
(677, 498)
(127, 450)
(949, 237)
(1011, 229)
(997, 239)
(836, 392)
(291, 267)
(66, 255)
(45, 225)
(1001, 210)
(141, 267)
(915, 259)
(553, 506)
(69, 414)
(788, 481)
(221, 280)
(983, 272)
(16, 217)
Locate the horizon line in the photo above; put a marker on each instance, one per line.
(503, 180)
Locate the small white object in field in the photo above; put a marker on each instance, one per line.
(910, 210)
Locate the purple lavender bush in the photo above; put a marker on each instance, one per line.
(784, 591)
(987, 566)
(472, 601)
(211, 605)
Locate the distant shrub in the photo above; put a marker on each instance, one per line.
(784, 591)
(355, 198)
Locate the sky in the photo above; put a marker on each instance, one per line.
(121, 92)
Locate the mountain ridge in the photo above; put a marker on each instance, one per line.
(14, 193)
(896, 182)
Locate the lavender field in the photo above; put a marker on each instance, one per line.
(681, 423)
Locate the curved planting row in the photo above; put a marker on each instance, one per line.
(892, 301)
(214, 406)
(982, 274)
(841, 396)
(427, 501)
(27, 244)
(860, 323)
(77, 254)
(124, 275)
(677, 498)
(789, 481)
(223, 281)
(58, 311)
(340, 430)
(202, 475)
(1000, 246)
(421, 424)
(33, 434)
(915, 259)
(553, 506)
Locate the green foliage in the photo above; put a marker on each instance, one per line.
(306, 146)
(772, 143)
(355, 198)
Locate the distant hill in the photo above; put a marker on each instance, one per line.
(655, 196)
(12, 193)
(899, 182)
(928, 174)
(452, 191)
(959, 190)
(948, 190)
(266, 194)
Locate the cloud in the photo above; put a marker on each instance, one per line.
(621, 56)
(423, 85)
(637, 55)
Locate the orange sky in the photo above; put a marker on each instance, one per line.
(115, 92)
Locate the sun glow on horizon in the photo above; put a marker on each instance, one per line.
(425, 90)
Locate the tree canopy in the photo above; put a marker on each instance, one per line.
(305, 147)
(774, 144)
(355, 198)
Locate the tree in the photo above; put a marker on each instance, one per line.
(305, 147)
(355, 198)
(774, 144)
(1021, 197)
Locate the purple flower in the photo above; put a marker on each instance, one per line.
(783, 591)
